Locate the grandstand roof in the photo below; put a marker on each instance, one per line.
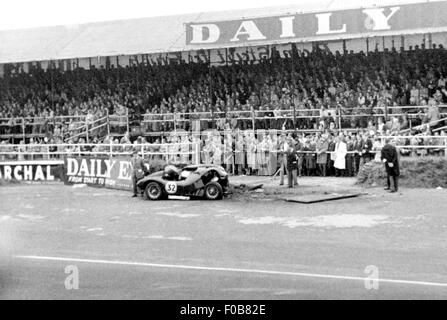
(138, 36)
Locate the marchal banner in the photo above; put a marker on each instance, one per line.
(386, 20)
(31, 171)
(115, 173)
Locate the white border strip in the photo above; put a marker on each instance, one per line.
(31, 163)
(282, 273)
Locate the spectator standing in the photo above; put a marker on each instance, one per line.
(390, 158)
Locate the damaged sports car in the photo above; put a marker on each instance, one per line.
(195, 181)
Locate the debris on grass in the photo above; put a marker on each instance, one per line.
(415, 172)
(81, 185)
(4, 182)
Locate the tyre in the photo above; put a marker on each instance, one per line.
(213, 191)
(154, 191)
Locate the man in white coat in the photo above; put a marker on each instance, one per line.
(340, 156)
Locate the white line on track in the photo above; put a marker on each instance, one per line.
(258, 271)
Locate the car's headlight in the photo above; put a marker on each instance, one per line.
(215, 179)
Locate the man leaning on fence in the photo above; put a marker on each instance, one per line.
(138, 169)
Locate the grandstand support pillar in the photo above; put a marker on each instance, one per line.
(86, 131)
(108, 123)
(127, 118)
(293, 86)
(175, 122)
(339, 117)
(197, 150)
(23, 129)
(294, 117)
(386, 113)
(253, 120)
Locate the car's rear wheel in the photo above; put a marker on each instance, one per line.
(154, 191)
(213, 191)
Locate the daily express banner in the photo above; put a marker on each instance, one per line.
(31, 171)
(115, 173)
(320, 26)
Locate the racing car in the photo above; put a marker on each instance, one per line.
(195, 181)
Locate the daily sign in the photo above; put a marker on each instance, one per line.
(100, 168)
(113, 173)
(325, 25)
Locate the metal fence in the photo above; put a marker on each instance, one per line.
(192, 152)
(186, 153)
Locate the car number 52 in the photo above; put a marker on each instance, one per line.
(171, 187)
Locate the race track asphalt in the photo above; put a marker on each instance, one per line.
(247, 247)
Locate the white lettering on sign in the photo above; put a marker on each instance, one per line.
(39, 174)
(380, 20)
(92, 167)
(73, 167)
(198, 33)
(8, 173)
(125, 170)
(287, 27)
(83, 169)
(109, 165)
(17, 174)
(324, 24)
(250, 29)
(50, 177)
(28, 173)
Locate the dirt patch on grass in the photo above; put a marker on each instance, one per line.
(426, 172)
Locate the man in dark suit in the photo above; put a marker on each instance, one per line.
(358, 145)
(292, 165)
(366, 149)
(138, 169)
(389, 156)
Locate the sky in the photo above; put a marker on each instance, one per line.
(19, 14)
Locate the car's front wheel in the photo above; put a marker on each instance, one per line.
(213, 191)
(154, 191)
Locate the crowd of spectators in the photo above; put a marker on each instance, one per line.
(243, 151)
(317, 85)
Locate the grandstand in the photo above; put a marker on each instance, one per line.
(325, 67)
